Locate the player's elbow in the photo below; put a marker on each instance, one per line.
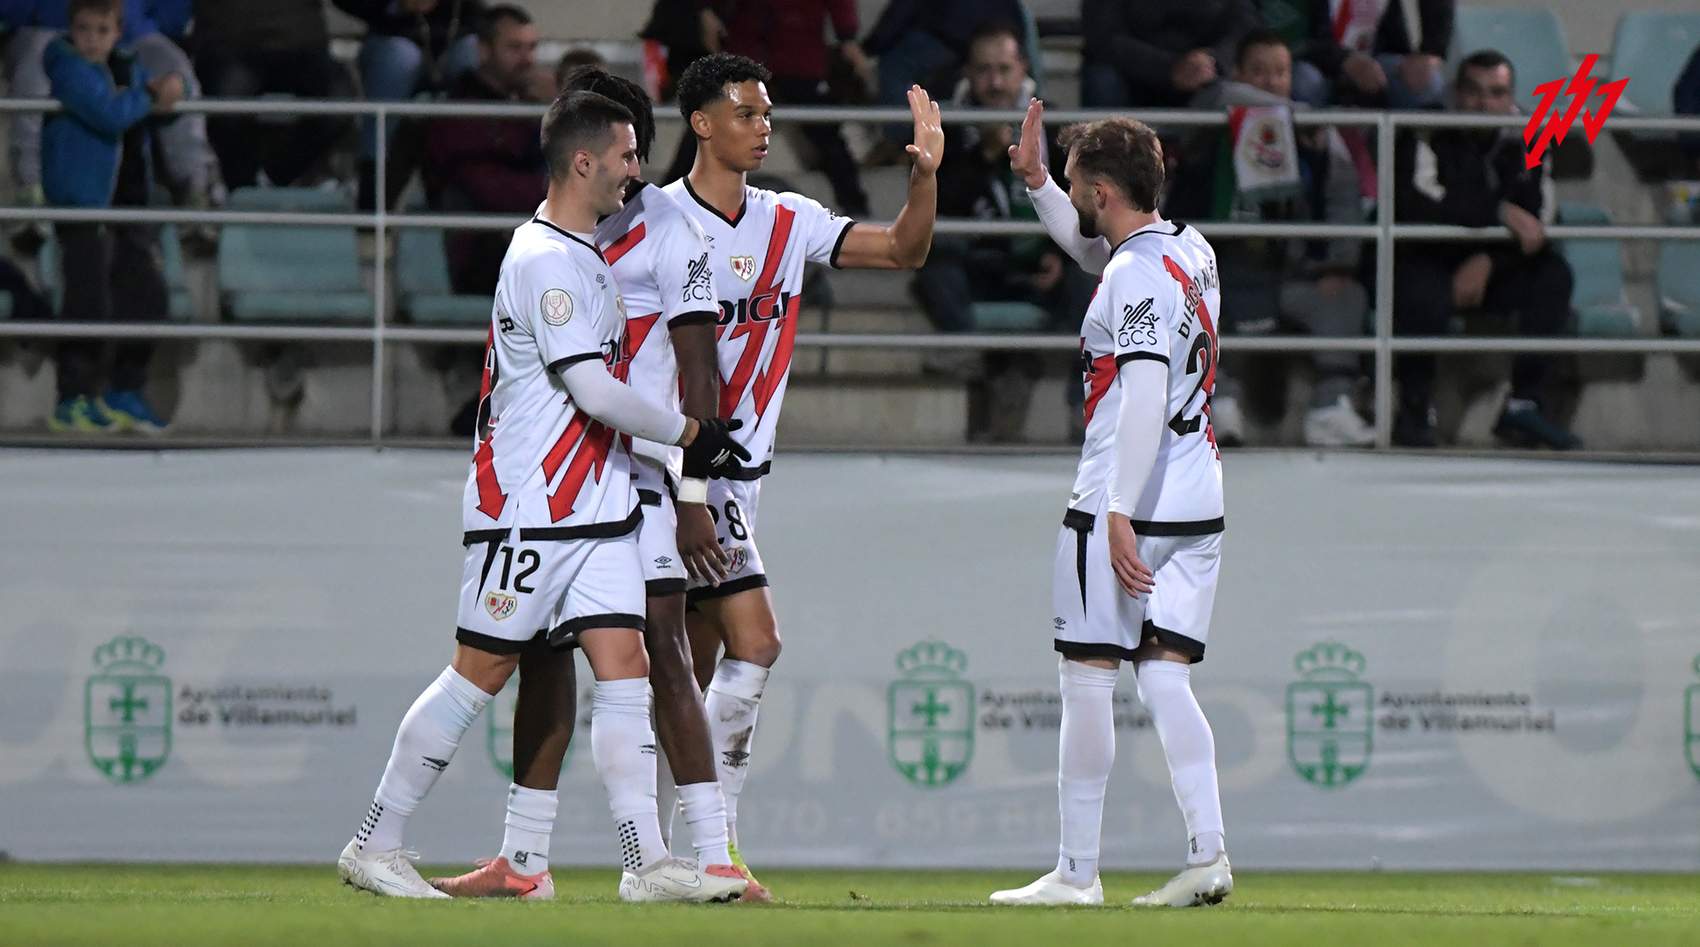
(912, 258)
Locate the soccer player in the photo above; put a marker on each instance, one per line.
(660, 260)
(1137, 559)
(549, 513)
(758, 243)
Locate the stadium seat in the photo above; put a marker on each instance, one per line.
(422, 283)
(1009, 317)
(1601, 305)
(291, 274)
(1533, 40)
(182, 305)
(1651, 49)
(1678, 278)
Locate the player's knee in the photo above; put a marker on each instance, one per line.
(487, 671)
(761, 647)
(615, 654)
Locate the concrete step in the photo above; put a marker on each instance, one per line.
(873, 411)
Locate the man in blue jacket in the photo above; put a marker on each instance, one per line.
(95, 154)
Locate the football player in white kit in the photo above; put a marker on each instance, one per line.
(548, 517)
(759, 242)
(1137, 559)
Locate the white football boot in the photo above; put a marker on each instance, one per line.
(1051, 889)
(679, 879)
(388, 873)
(1338, 425)
(1199, 884)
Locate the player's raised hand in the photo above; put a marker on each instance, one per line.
(1135, 577)
(705, 560)
(928, 147)
(1027, 157)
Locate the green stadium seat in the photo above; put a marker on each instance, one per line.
(1678, 279)
(422, 283)
(1651, 49)
(1533, 40)
(182, 305)
(1009, 317)
(291, 274)
(1602, 307)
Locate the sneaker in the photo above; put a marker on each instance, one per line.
(1521, 424)
(679, 879)
(1050, 889)
(756, 892)
(81, 415)
(1414, 426)
(496, 878)
(1338, 425)
(130, 411)
(388, 873)
(1198, 884)
(1227, 421)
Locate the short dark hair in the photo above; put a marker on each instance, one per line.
(1485, 59)
(578, 120)
(996, 28)
(621, 90)
(494, 16)
(706, 79)
(1254, 39)
(102, 7)
(1123, 152)
(574, 58)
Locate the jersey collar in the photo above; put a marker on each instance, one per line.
(570, 236)
(730, 221)
(1167, 228)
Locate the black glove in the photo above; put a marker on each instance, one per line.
(713, 448)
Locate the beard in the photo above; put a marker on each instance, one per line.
(1088, 223)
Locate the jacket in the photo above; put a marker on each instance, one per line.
(448, 21)
(787, 35)
(1143, 39)
(237, 27)
(1460, 175)
(81, 147)
(951, 22)
(141, 17)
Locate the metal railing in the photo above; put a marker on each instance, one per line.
(1384, 232)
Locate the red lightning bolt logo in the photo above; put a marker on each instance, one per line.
(1580, 88)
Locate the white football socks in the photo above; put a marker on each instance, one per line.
(1086, 750)
(425, 742)
(705, 814)
(531, 819)
(666, 798)
(622, 741)
(733, 697)
(1165, 687)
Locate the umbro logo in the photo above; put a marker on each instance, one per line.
(647, 748)
(737, 759)
(436, 764)
(662, 562)
(1059, 623)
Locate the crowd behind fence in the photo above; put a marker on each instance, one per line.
(1381, 343)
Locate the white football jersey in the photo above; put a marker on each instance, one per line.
(660, 259)
(758, 259)
(539, 463)
(1157, 299)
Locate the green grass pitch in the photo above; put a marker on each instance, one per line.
(305, 905)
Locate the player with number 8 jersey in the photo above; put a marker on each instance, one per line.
(759, 244)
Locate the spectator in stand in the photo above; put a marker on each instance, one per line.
(248, 48)
(190, 169)
(975, 180)
(1369, 54)
(95, 153)
(788, 37)
(1267, 283)
(488, 165)
(1475, 177)
(922, 41)
(572, 59)
(1158, 53)
(689, 30)
(410, 46)
(1685, 100)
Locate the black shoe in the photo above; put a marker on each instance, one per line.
(1521, 424)
(1414, 426)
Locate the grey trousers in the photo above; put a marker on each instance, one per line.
(186, 155)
